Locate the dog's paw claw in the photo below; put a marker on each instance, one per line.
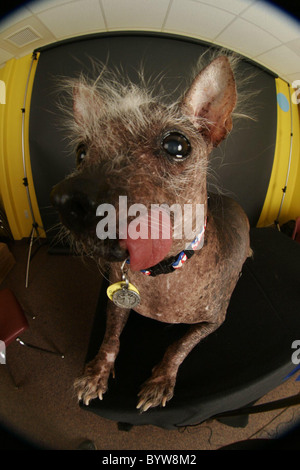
(93, 383)
(156, 391)
(88, 388)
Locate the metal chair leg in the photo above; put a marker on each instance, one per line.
(11, 375)
(38, 348)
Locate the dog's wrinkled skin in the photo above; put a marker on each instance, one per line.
(120, 132)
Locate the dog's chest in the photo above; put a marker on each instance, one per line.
(188, 295)
(196, 292)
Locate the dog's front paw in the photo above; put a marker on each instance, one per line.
(156, 391)
(93, 383)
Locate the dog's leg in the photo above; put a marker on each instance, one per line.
(93, 383)
(159, 388)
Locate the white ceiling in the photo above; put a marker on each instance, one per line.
(255, 28)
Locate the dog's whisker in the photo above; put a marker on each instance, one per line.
(48, 207)
(54, 227)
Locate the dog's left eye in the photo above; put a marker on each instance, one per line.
(80, 154)
(176, 145)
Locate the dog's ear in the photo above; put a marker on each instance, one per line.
(85, 98)
(211, 99)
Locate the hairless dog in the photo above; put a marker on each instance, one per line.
(128, 143)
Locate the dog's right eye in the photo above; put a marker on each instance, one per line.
(176, 145)
(80, 154)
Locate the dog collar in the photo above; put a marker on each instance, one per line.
(126, 295)
(175, 262)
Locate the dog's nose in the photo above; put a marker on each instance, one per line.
(76, 201)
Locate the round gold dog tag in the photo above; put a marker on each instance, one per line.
(124, 294)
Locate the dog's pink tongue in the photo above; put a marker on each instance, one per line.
(146, 252)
